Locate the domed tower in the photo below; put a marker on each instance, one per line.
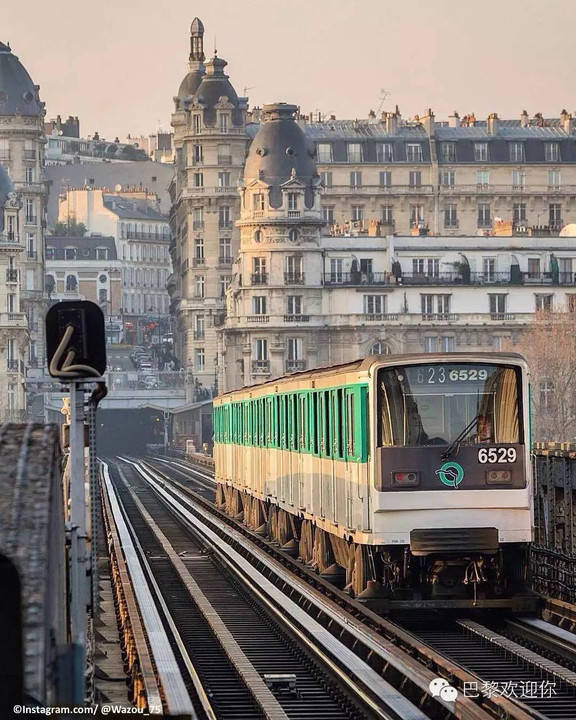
(210, 144)
(22, 141)
(275, 301)
(13, 321)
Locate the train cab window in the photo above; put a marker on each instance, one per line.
(437, 404)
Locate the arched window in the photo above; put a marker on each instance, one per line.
(379, 348)
(50, 284)
(293, 235)
(257, 236)
(71, 283)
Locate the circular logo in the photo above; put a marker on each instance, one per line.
(451, 473)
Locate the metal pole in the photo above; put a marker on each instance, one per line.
(166, 418)
(78, 584)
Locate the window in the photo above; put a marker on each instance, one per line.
(416, 214)
(516, 151)
(293, 269)
(357, 213)
(199, 327)
(198, 179)
(223, 122)
(385, 178)
(554, 214)
(70, 253)
(450, 215)
(224, 283)
(259, 305)
(430, 343)
(482, 178)
(324, 152)
(294, 348)
(294, 305)
(379, 348)
(544, 302)
(30, 210)
(435, 307)
(31, 244)
(497, 306)
(387, 214)
(414, 152)
(384, 152)
(554, 178)
(261, 349)
(223, 179)
(355, 179)
(448, 151)
(199, 286)
(197, 153)
(446, 178)
(488, 269)
(447, 344)
(374, 304)
(258, 201)
(29, 174)
(224, 216)
(326, 178)
(354, 152)
(259, 276)
(519, 213)
(293, 201)
(518, 179)
(552, 152)
(103, 296)
(199, 249)
(224, 250)
(415, 178)
(546, 394)
(293, 235)
(199, 359)
(484, 218)
(102, 253)
(328, 215)
(481, 152)
(71, 283)
(336, 275)
(196, 123)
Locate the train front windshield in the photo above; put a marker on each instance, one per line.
(440, 403)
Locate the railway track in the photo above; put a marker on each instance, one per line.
(237, 650)
(508, 668)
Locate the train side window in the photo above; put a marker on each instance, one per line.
(350, 425)
(313, 410)
(294, 415)
(303, 422)
(324, 423)
(286, 422)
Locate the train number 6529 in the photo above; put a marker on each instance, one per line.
(497, 455)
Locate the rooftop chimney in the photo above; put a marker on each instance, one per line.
(428, 122)
(492, 125)
(391, 120)
(454, 120)
(567, 122)
(524, 119)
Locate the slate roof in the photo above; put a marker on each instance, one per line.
(132, 209)
(5, 188)
(18, 94)
(88, 243)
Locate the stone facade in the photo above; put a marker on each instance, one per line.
(210, 143)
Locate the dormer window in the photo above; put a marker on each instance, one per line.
(292, 201)
(354, 152)
(223, 122)
(196, 123)
(258, 201)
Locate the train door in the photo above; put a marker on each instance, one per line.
(339, 465)
(271, 441)
(305, 464)
(326, 465)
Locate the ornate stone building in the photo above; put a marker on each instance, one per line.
(22, 141)
(14, 334)
(210, 143)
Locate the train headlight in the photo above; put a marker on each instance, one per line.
(405, 479)
(498, 477)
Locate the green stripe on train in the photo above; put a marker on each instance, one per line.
(327, 422)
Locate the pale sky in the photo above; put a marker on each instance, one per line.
(117, 65)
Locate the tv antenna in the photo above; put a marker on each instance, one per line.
(384, 95)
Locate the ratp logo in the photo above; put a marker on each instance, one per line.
(451, 473)
(441, 688)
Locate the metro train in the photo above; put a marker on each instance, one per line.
(407, 479)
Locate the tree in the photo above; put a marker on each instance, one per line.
(70, 228)
(549, 346)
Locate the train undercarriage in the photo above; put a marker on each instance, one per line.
(391, 577)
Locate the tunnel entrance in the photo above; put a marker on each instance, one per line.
(128, 431)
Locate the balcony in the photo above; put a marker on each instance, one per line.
(198, 334)
(14, 319)
(295, 365)
(293, 213)
(11, 276)
(198, 225)
(150, 237)
(10, 239)
(502, 316)
(224, 224)
(381, 317)
(224, 159)
(258, 318)
(259, 279)
(296, 318)
(294, 278)
(14, 365)
(31, 220)
(4, 155)
(198, 261)
(225, 260)
(32, 254)
(451, 224)
(260, 367)
(358, 278)
(29, 154)
(439, 317)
